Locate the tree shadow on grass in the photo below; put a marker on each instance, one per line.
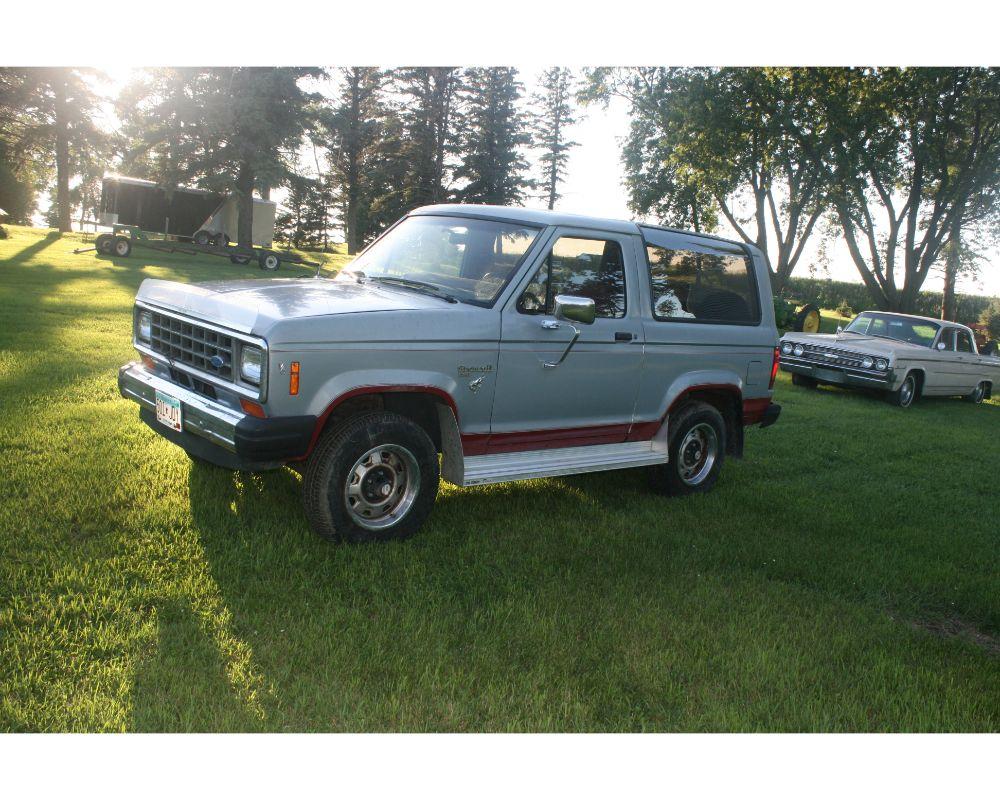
(33, 249)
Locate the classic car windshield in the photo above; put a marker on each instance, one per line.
(468, 259)
(889, 326)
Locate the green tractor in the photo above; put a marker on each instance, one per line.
(789, 315)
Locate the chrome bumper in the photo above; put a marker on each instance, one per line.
(829, 373)
(199, 415)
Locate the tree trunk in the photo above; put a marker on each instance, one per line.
(62, 155)
(244, 198)
(948, 306)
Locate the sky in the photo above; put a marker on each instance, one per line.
(594, 186)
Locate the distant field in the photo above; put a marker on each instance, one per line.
(844, 576)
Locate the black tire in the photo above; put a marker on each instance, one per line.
(807, 381)
(808, 319)
(337, 460)
(668, 478)
(269, 261)
(977, 395)
(203, 238)
(241, 260)
(104, 243)
(220, 240)
(122, 247)
(906, 395)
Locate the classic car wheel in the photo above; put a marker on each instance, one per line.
(978, 395)
(803, 380)
(374, 477)
(905, 394)
(697, 450)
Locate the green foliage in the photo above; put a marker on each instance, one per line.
(784, 312)
(553, 116)
(493, 133)
(990, 317)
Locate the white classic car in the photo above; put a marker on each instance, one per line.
(902, 355)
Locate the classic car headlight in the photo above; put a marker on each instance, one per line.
(881, 364)
(251, 363)
(867, 362)
(799, 350)
(786, 348)
(144, 330)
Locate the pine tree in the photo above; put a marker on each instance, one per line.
(429, 131)
(552, 118)
(493, 133)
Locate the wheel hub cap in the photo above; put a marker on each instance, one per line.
(381, 486)
(697, 454)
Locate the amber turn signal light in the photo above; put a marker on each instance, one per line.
(148, 362)
(293, 378)
(252, 408)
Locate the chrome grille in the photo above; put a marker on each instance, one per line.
(833, 356)
(183, 342)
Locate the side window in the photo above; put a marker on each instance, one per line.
(964, 341)
(593, 268)
(948, 338)
(703, 287)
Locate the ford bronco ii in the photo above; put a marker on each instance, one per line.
(512, 343)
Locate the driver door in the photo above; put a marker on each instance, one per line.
(589, 398)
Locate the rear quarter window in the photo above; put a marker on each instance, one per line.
(695, 286)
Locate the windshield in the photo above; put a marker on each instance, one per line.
(468, 259)
(889, 326)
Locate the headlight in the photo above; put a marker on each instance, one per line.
(799, 350)
(881, 363)
(251, 363)
(786, 348)
(145, 327)
(867, 362)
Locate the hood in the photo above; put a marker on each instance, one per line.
(869, 345)
(251, 306)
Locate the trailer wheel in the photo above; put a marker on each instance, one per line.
(202, 238)
(104, 243)
(240, 259)
(220, 240)
(269, 261)
(122, 247)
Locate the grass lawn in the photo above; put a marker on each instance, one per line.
(844, 576)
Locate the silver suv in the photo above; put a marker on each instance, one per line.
(513, 344)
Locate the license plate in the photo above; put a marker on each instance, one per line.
(827, 375)
(168, 410)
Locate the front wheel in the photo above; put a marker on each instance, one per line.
(371, 478)
(905, 394)
(697, 448)
(978, 394)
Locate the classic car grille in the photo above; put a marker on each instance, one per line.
(832, 356)
(184, 343)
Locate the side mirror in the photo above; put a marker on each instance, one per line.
(575, 309)
(840, 329)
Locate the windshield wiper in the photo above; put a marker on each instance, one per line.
(417, 286)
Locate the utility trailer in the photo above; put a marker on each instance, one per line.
(182, 219)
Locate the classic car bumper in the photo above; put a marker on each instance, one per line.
(826, 373)
(215, 432)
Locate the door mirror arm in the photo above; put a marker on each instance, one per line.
(571, 309)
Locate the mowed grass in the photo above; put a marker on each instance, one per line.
(843, 576)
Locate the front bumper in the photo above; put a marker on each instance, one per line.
(840, 376)
(215, 432)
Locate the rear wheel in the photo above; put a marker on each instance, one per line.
(905, 394)
(202, 238)
(104, 244)
(808, 319)
(220, 240)
(804, 380)
(978, 394)
(122, 247)
(269, 261)
(696, 449)
(372, 478)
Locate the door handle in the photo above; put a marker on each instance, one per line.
(624, 336)
(550, 325)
